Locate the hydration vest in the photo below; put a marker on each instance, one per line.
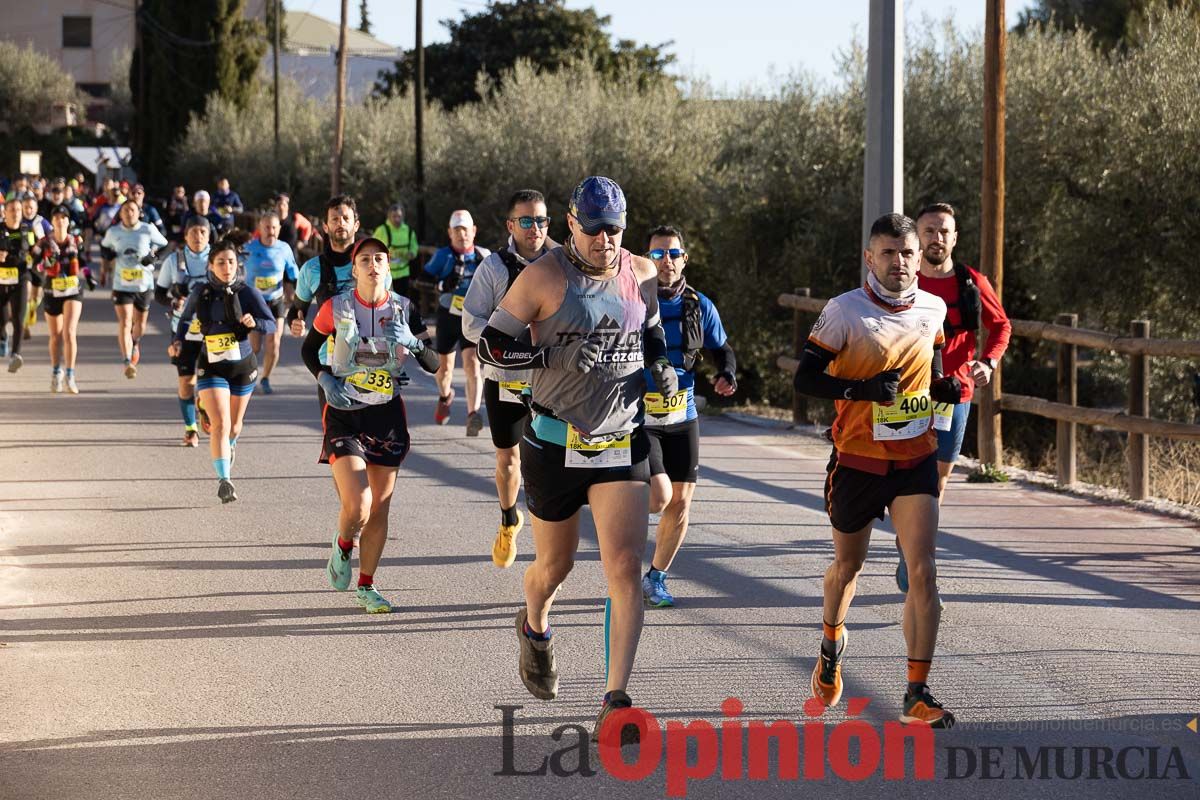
(970, 309)
(348, 355)
(692, 326)
(229, 297)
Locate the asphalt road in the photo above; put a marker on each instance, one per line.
(155, 644)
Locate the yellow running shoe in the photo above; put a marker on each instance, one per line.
(504, 549)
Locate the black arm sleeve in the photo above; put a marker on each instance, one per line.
(724, 359)
(299, 310)
(811, 378)
(936, 364)
(501, 350)
(310, 351)
(161, 296)
(654, 345)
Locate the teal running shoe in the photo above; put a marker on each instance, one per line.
(338, 567)
(901, 570)
(372, 601)
(654, 590)
(265, 383)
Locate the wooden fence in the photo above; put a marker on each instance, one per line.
(1136, 421)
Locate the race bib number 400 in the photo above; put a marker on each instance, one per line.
(661, 411)
(222, 347)
(597, 454)
(906, 417)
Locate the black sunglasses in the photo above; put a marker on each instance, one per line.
(528, 222)
(594, 230)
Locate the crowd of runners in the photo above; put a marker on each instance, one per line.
(580, 357)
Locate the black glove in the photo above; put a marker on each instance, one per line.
(666, 379)
(147, 260)
(883, 388)
(946, 390)
(729, 378)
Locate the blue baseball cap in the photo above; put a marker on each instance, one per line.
(598, 201)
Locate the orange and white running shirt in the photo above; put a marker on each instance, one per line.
(868, 337)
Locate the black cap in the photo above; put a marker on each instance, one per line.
(61, 211)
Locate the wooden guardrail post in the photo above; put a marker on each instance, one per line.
(1068, 393)
(799, 337)
(1139, 406)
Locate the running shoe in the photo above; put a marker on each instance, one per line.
(72, 386)
(372, 601)
(28, 334)
(921, 707)
(15, 362)
(654, 590)
(338, 567)
(441, 414)
(827, 674)
(3, 348)
(190, 439)
(901, 570)
(205, 422)
(474, 423)
(136, 355)
(225, 491)
(504, 549)
(130, 371)
(536, 663)
(56, 382)
(617, 700)
(265, 383)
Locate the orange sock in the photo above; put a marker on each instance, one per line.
(918, 670)
(833, 632)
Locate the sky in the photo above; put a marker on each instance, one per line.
(762, 40)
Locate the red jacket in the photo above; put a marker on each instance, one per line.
(960, 348)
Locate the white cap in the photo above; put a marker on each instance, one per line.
(461, 219)
(201, 194)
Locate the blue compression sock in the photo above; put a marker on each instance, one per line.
(221, 465)
(188, 409)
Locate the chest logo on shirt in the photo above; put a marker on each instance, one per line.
(872, 324)
(925, 327)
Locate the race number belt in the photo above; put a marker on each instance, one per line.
(265, 284)
(598, 453)
(66, 285)
(222, 347)
(663, 411)
(906, 417)
(943, 416)
(511, 391)
(9, 275)
(132, 274)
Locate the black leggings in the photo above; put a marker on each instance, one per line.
(14, 301)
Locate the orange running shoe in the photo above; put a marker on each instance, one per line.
(921, 707)
(827, 674)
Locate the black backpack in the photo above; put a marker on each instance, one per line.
(229, 297)
(509, 259)
(970, 308)
(328, 285)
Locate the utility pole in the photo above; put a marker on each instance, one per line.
(140, 126)
(419, 115)
(991, 228)
(339, 126)
(883, 165)
(275, 52)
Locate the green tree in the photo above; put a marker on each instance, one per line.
(1111, 23)
(543, 32)
(30, 83)
(191, 50)
(364, 19)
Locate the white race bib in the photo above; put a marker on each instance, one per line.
(906, 417)
(660, 411)
(943, 416)
(222, 347)
(511, 391)
(597, 454)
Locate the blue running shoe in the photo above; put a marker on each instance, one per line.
(339, 567)
(266, 386)
(372, 601)
(654, 590)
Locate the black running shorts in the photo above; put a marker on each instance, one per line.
(449, 333)
(376, 434)
(185, 362)
(675, 450)
(854, 498)
(139, 300)
(506, 419)
(554, 492)
(53, 306)
(278, 307)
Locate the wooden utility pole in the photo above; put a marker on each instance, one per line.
(419, 118)
(883, 164)
(339, 124)
(991, 229)
(141, 127)
(275, 55)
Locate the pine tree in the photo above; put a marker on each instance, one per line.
(364, 20)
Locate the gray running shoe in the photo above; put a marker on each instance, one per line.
(536, 663)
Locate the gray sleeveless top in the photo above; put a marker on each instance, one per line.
(607, 400)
